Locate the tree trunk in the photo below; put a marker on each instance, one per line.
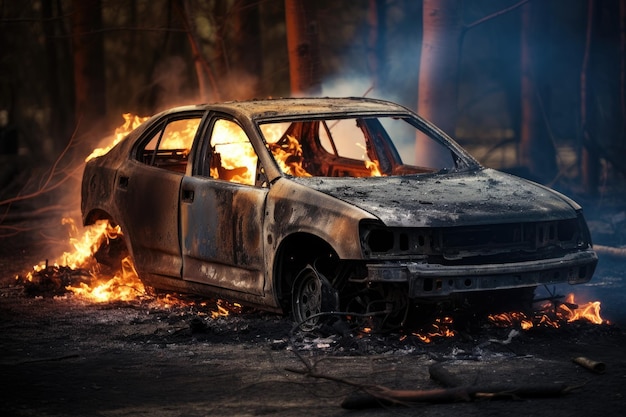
(536, 150)
(303, 47)
(438, 73)
(60, 129)
(622, 66)
(247, 52)
(589, 163)
(376, 59)
(203, 73)
(88, 54)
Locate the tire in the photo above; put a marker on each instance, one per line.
(311, 296)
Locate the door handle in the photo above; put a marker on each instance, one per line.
(123, 182)
(188, 196)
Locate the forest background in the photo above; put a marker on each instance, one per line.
(534, 87)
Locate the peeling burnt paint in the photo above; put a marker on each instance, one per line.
(436, 200)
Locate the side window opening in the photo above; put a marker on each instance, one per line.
(230, 156)
(168, 148)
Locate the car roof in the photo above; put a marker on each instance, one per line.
(291, 107)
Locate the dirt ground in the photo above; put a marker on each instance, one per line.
(62, 356)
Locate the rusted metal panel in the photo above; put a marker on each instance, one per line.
(221, 229)
(294, 208)
(434, 280)
(149, 198)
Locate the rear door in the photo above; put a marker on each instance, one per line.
(148, 192)
(222, 212)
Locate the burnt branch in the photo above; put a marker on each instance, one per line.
(386, 397)
(55, 177)
(610, 251)
(371, 395)
(494, 15)
(453, 391)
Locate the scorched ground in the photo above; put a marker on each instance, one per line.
(66, 357)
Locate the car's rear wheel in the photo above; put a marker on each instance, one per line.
(311, 296)
(110, 253)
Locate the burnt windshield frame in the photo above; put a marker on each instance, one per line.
(462, 159)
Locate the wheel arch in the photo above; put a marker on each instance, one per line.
(97, 214)
(295, 252)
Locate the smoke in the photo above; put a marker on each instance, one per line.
(239, 85)
(170, 85)
(363, 86)
(355, 86)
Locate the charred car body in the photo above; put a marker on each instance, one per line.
(311, 205)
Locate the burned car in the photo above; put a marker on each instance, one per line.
(315, 205)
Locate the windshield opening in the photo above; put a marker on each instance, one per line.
(356, 147)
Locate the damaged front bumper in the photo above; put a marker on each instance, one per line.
(434, 280)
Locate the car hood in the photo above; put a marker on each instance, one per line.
(483, 196)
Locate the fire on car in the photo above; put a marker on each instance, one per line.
(318, 205)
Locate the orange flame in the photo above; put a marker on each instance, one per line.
(287, 152)
(441, 327)
(236, 155)
(289, 157)
(84, 246)
(550, 316)
(124, 286)
(131, 122)
(511, 319)
(216, 308)
(589, 311)
(374, 168)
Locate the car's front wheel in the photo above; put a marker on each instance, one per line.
(312, 296)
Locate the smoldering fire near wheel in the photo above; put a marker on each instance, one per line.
(311, 295)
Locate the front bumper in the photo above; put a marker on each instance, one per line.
(433, 280)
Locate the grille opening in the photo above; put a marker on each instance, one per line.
(380, 240)
(524, 237)
(568, 229)
(482, 236)
(404, 241)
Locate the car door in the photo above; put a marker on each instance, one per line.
(222, 212)
(148, 193)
